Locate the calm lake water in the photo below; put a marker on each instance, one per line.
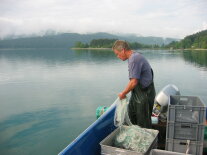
(49, 96)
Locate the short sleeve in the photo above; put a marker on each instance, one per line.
(135, 69)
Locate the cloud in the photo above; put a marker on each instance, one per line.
(170, 18)
(204, 26)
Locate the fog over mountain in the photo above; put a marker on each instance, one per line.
(67, 40)
(171, 18)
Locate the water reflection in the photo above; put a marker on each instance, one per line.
(53, 56)
(49, 96)
(29, 132)
(65, 56)
(49, 56)
(100, 56)
(197, 58)
(27, 126)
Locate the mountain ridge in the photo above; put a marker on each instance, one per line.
(67, 40)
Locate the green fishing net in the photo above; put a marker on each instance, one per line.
(131, 137)
(135, 138)
(121, 114)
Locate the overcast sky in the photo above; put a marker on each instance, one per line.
(165, 18)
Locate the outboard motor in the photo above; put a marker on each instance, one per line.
(162, 99)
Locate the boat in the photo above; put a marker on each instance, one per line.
(88, 142)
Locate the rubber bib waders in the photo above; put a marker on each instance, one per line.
(141, 105)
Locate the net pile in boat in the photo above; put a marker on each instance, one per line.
(134, 138)
(131, 137)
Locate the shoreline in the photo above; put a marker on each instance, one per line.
(90, 48)
(20, 48)
(196, 49)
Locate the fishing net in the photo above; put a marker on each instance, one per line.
(121, 114)
(135, 138)
(131, 137)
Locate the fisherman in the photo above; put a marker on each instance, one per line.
(140, 84)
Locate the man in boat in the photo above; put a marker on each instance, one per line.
(140, 84)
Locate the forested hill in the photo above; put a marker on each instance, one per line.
(108, 43)
(197, 40)
(67, 40)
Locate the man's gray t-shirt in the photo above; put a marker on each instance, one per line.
(140, 69)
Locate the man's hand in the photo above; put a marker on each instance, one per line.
(131, 85)
(122, 95)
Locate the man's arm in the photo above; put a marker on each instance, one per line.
(131, 85)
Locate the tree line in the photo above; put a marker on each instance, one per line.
(197, 40)
(108, 43)
(96, 43)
